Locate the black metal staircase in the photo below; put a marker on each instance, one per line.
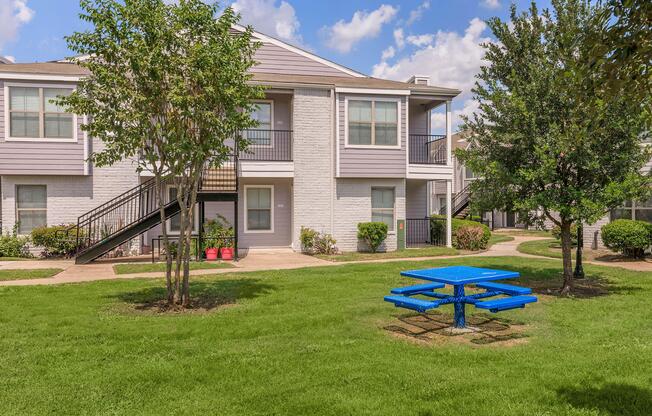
(459, 203)
(132, 213)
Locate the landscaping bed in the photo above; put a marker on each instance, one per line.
(313, 341)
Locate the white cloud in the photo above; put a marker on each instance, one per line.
(399, 37)
(13, 14)
(438, 119)
(490, 4)
(343, 36)
(451, 60)
(417, 13)
(388, 53)
(420, 40)
(266, 16)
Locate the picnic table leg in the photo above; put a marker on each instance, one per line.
(458, 292)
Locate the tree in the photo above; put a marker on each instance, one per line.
(168, 86)
(549, 140)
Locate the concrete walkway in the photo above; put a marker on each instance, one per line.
(261, 260)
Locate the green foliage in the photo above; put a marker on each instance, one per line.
(556, 232)
(373, 234)
(440, 226)
(548, 137)
(54, 240)
(13, 245)
(315, 242)
(629, 237)
(307, 238)
(215, 232)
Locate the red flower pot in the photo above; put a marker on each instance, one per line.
(211, 254)
(226, 253)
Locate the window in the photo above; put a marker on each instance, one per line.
(31, 207)
(33, 114)
(263, 114)
(468, 173)
(259, 201)
(372, 123)
(174, 223)
(636, 210)
(382, 206)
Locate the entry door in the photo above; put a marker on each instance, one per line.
(510, 219)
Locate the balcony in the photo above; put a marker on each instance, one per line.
(427, 149)
(267, 146)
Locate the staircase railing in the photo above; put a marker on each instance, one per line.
(131, 207)
(458, 202)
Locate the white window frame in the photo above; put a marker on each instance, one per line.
(30, 209)
(271, 123)
(399, 138)
(246, 210)
(195, 226)
(8, 138)
(371, 202)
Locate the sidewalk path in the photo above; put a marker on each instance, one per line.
(260, 261)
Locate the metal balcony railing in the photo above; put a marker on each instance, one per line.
(427, 149)
(267, 145)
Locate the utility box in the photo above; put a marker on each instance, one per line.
(400, 234)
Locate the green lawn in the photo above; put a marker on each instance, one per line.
(310, 342)
(530, 233)
(129, 268)
(28, 274)
(546, 248)
(14, 258)
(430, 251)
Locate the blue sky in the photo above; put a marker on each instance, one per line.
(390, 39)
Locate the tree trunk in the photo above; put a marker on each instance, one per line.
(162, 198)
(566, 250)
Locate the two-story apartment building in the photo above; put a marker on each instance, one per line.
(334, 148)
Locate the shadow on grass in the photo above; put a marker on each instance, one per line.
(612, 399)
(547, 280)
(204, 296)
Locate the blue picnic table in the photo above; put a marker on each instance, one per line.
(458, 276)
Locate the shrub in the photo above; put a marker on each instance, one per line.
(629, 237)
(314, 242)
(12, 245)
(556, 232)
(439, 226)
(54, 240)
(469, 237)
(307, 237)
(373, 233)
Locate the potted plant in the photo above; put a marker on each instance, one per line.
(226, 244)
(212, 232)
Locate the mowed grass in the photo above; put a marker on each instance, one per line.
(430, 251)
(310, 342)
(499, 238)
(521, 232)
(15, 258)
(28, 274)
(546, 248)
(130, 268)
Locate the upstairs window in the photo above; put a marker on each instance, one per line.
(34, 115)
(372, 123)
(263, 114)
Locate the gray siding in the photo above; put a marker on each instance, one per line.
(277, 60)
(39, 158)
(416, 198)
(371, 162)
(418, 118)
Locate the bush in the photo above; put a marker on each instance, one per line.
(11, 245)
(316, 243)
(469, 237)
(629, 237)
(440, 227)
(54, 240)
(556, 232)
(373, 233)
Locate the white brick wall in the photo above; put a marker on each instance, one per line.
(353, 205)
(313, 161)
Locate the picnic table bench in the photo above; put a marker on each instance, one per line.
(458, 277)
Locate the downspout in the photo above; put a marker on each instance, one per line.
(334, 144)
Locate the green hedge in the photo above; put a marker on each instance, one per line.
(373, 233)
(481, 244)
(629, 237)
(13, 245)
(55, 241)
